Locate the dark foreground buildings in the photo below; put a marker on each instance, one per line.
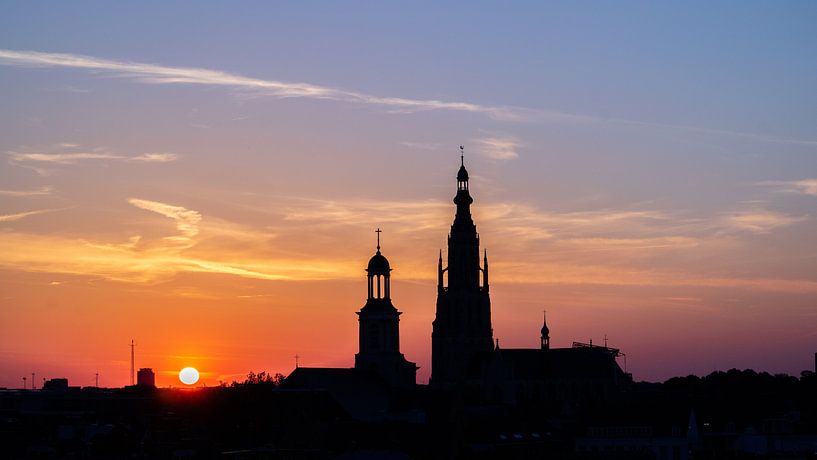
(464, 355)
(483, 401)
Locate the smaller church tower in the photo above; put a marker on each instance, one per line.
(545, 332)
(379, 337)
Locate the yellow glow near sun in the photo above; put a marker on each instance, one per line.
(189, 375)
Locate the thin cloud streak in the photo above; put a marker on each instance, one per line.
(761, 221)
(605, 246)
(719, 132)
(75, 157)
(157, 74)
(187, 221)
(499, 148)
(125, 263)
(23, 215)
(43, 191)
(800, 187)
(61, 158)
(154, 158)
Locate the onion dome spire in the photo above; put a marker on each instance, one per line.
(378, 264)
(462, 174)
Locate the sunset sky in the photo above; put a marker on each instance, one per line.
(206, 179)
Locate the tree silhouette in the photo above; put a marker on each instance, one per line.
(261, 378)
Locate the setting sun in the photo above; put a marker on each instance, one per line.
(189, 375)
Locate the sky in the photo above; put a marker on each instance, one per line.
(206, 179)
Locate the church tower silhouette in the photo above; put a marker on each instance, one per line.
(462, 325)
(379, 331)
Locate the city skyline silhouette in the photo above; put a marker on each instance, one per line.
(217, 206)
(342, 230)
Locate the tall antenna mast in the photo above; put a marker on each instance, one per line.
(96, 379)
(132, 344)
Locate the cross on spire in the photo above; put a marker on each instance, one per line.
(462, 155)
(378, 231)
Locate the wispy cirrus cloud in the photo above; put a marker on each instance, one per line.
(154, 158)
(760, 220)
(800, 187)
(499, 148)
(187, 220)
(60, 158)
(207, 247)
(601, 247)
(158, 74)
(76, 157)
(42, 191)
(121, 262)
(23, 215)
(44, 161)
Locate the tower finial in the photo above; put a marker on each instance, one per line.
(545, 338)
(378, 231)
(462, 156)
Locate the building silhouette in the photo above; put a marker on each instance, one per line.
(367, 390)
(379, 328)
(465, 358)
(545, 331)
(465, 355)
(462, 324)
(146, 377)
(58, 384)
(485, 402)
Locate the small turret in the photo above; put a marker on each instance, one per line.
(462, 174)
(485, 271)
(378, 272)
(440, 272)
(545, 332)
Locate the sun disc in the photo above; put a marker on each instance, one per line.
(189, 375)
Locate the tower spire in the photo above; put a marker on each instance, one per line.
(462, 323)
(379, 328)
(440, 273)
(545, 344)
(485, 271)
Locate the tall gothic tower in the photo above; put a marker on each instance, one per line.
(380, 328)
(462, 326)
